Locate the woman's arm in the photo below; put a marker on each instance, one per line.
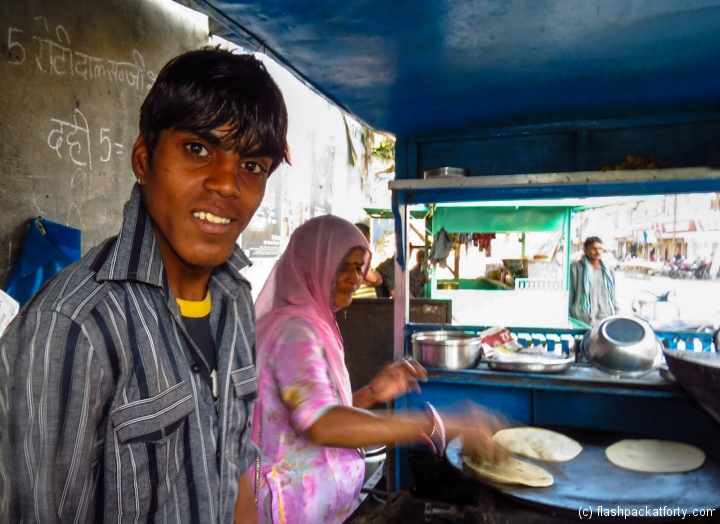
(307, 391)
(245, 511)
(346, 427)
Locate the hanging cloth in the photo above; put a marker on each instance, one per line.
(48, 247)
(442, 245)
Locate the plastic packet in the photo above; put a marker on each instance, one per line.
(8, 309)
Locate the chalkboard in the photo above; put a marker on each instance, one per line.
(73, 74)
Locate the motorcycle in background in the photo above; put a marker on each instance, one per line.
(662, 312)
(682, 269)
(653, 307)
(702, 270)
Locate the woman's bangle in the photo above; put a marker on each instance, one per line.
(437, 439)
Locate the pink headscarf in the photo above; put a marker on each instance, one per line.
(302, 285)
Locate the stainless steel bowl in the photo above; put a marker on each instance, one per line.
(374, 459)
(623, 346)
(446, 349)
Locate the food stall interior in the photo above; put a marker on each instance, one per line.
(595, 406)
(505, 291)
(534, 99)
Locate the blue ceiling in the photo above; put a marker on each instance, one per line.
(426, 67)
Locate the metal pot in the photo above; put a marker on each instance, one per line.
(446, 349)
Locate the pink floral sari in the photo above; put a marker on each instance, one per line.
(302, 374)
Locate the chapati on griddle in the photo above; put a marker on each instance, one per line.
(538, 443)
(511, 471)
(655, 456)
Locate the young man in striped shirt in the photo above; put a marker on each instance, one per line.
(126, 383)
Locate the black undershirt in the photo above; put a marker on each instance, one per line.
(199, 331)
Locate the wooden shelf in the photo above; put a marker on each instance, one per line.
(558, 185)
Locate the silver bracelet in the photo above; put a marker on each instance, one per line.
(437, 440)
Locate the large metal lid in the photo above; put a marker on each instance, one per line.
(447, 172)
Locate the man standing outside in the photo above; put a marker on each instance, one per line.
(592, 285)
(126, 383)
(417, 275)
(373, 279)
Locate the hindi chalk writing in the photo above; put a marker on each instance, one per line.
(54, 55)
(76, 136)
(66, 133)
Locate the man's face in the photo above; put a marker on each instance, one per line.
(200, 196)
(594, 252)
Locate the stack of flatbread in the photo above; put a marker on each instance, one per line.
(655, 456)
(535, 443)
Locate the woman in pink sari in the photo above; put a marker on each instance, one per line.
(307, 422)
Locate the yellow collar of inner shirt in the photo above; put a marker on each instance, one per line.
(195, 309)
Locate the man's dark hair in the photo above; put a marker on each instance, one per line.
(589, 241)
(365, 230)
(200, 91)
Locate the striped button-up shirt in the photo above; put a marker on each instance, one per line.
(102, 417)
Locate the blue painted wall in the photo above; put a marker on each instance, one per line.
(680, 140)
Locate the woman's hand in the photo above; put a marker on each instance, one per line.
(373, 278)
(397, 379)
(476, 428)
(392, 381)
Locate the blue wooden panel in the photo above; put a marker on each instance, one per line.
(681, 145)
(681, 140)
(514, 403)
(536, 153)
(670, 419)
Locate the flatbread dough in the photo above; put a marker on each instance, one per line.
(511, 471)
(538, 443)
(655, 456)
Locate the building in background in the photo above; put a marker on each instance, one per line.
(659, 227)
(332, 171)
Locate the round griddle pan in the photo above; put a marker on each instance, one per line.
(699, 375)
(590, 481)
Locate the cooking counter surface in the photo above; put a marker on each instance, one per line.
(578, 376)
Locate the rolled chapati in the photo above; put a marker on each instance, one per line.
(655, 456)
(511, 471)
(538, 443)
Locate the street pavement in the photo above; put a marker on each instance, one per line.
(697, 299)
